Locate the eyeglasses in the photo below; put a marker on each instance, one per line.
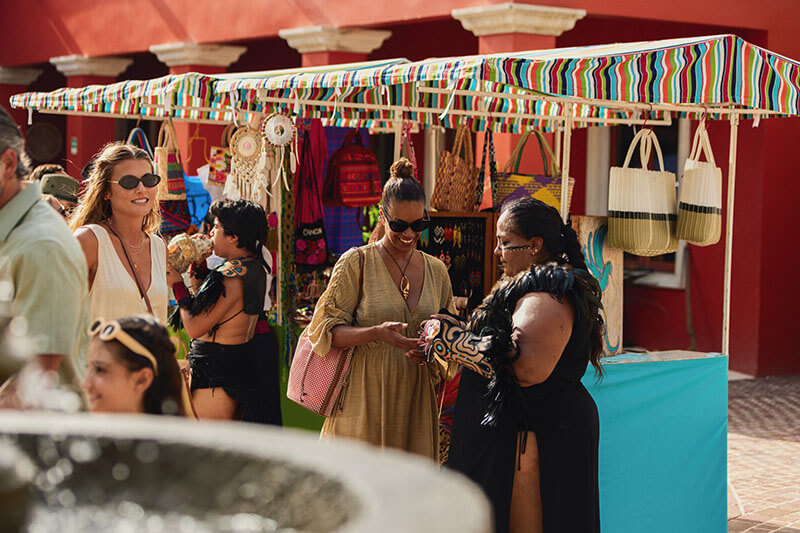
(512, 248)
(111, 330)
(399, 226)
(131, 182)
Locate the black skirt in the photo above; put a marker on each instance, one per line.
(565, 420)
(244, 372)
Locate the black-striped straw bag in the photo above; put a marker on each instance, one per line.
(700, 195)
(642, 203)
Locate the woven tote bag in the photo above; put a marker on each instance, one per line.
(700, 196)
(546, 187)
(167, 161)
(457, 177)
(316, 381)
(642, 203)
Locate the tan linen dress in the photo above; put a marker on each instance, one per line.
(389, 400)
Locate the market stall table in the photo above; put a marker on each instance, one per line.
(663, 440)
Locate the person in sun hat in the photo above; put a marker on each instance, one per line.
(61, 192)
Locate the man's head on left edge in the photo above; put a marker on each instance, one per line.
(14, 162)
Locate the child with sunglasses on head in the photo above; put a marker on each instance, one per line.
(132, 369)
(389, 399)
(116, 223)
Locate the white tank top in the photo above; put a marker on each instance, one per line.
(114, 293)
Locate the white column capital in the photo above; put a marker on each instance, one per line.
(518, 18)
(182, 54)
(327, 39)
(18, 76)
(76, 65)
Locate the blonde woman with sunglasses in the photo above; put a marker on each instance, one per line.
(132, 369)
(116, 224)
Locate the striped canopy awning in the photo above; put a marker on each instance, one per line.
(505, 92)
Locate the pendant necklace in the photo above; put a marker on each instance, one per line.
(405, 285)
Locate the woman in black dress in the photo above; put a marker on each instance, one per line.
(525, 428)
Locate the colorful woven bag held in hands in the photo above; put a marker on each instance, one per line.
(547, 187)
(219, 159)
(642, 203)
(167, 161)
(700, 196)
(352, 178)
(316, 381)
(457, 177)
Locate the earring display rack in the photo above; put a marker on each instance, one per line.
(465, 243)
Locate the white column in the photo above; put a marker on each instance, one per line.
(598, 163)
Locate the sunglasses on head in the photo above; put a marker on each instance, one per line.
(399, 226)
(131, 182)
(111, 330)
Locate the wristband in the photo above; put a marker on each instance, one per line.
(182, 294)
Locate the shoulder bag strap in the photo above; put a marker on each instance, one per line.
(135, 276)
(361, 280)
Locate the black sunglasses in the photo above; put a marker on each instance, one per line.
(131, 182)
(399, 226)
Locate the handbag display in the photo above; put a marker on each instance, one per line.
(457, 177)
(642, 203)
(316, 381)
(311, 249)
(700, 196)
(352, 178)
(219, 159)
(547, 187)
(167, 161)
(137, 137)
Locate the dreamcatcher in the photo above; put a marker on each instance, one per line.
(279, 131)
(247, 179)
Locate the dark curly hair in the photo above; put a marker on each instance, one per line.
(164, 396)
(244, 219)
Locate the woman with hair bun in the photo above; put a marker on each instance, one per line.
(389, 399)
(525, 428)
(132, 369)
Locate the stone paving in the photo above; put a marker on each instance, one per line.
(764, 455)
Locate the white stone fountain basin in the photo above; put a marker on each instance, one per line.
(112, 473)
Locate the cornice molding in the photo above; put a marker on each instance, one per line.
(518, 18)
(183, 54)
(18, 75)
(76, 65)
(327, 39)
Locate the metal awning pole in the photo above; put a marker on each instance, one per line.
(398, 136)
(726, 294)
(567, 142)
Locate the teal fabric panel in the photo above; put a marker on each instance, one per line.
(663, 445)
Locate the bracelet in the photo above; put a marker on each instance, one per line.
(182, 294)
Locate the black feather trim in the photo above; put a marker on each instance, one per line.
(494, 319)
(207, 295)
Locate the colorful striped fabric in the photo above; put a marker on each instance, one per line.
(720, 70)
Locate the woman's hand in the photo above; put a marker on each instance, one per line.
(173, 276)
(388, 333)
